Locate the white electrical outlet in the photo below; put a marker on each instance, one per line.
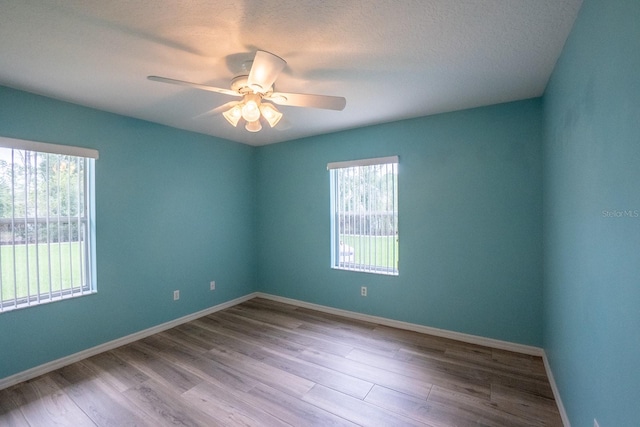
(176, 295)
(363, 291)
(212, 285)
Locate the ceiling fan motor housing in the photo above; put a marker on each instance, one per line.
(240, 84)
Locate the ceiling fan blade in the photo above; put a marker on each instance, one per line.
(218, 110)
(193, 85)
(265, 70)
(307, 100)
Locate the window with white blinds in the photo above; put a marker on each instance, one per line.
(46, 232)
(364, 215)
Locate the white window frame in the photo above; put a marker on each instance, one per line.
(363, 238)
(37, 250)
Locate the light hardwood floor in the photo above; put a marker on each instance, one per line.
(264, 363)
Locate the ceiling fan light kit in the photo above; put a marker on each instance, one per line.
(258, 86)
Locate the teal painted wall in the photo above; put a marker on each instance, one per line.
(592, 253)
(483, 249)
(174, 210)
(470, 198)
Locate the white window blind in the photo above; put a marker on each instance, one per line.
(364, 215)
(45, 222)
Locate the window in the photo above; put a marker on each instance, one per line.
(364, 215)
(45, 222)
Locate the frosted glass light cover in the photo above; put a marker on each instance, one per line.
(253, 126)
(233, 115)
(271, 114)
(250, 111)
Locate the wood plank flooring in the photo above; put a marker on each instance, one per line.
(264, 363)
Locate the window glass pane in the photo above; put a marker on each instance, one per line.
(44, 227)
(364, 216)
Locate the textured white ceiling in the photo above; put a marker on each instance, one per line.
(391, 59)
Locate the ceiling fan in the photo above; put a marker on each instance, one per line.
(257, 87)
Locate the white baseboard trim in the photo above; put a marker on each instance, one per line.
(556, 392)
(471, 339)
(67, 360)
